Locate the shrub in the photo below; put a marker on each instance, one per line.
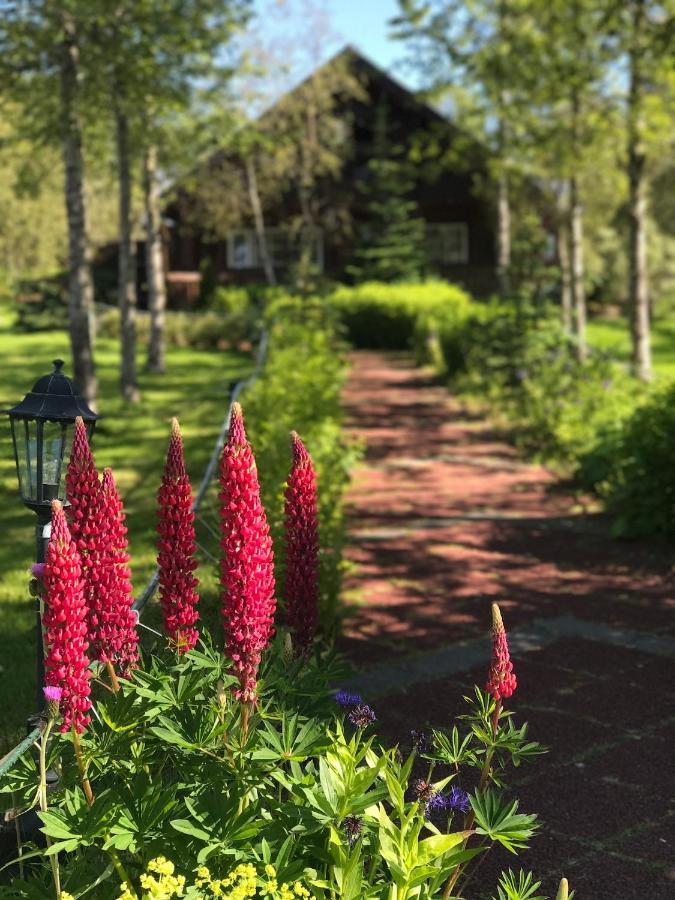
(640, 483)
(182, 795)
(208, 330)
(399, 316)
(522, 362)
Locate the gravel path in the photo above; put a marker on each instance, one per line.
(445, 519)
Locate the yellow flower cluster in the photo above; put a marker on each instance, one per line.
(160, 883)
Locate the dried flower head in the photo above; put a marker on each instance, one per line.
(419, 740)
(501, 681)
(247, 563)
(361, 716)
(353, 827)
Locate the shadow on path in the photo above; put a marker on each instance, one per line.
(445, 519)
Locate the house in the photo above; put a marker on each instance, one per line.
(460, 240)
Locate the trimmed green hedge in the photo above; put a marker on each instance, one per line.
(400, 316)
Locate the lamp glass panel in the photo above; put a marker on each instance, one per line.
(54, 438)
(31, 442)
(21, 451)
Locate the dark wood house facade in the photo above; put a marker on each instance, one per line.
(460, 242)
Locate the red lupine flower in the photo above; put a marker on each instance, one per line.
(87, 529)
(83, 492)
(65, 628)
(302, 549)
(176, 559)
(247, 565)
(501, 681)
(111, 613)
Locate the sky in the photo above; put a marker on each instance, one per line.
(362, 23)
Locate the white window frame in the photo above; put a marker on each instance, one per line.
(250, 260)
(252, 257)
(446, 235)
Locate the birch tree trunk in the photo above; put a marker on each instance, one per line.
(126, 286)
(503, 237)
(259, 221)
(638, 295)
(154, 263)
(562, 241)
(577, 269)
(81, 312)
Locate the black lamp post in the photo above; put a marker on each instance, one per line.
(42, 431)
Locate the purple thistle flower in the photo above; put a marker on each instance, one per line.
(436, 803)
(353, 827)
(37, 570)
(52, 693)
(347, 699)
(458, 799)
(361, 716)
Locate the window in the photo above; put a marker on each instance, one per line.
(447, 242)
(243, 252)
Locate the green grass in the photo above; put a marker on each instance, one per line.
(612, 335)
(132, 440)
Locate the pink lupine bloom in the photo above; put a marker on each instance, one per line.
(83, 489)
(501, 681)
(301, 588)
(247, 564)
(64, 622)
(111, 613)
(87, 528)
(177, 548)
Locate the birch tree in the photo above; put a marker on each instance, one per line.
(44, 64)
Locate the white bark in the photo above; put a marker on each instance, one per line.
(154, 262)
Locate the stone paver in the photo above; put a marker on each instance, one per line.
(445, 519)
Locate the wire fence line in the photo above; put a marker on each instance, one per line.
(150, 588)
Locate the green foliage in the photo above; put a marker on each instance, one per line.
(520, 360)
(297, 794)
(301, 391)
(389, 244)
(209, 330)
(640, 484)
(400, 316)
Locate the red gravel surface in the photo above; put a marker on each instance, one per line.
(446, 518)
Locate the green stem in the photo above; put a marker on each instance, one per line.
(121, 871)
(86, 786)
(53, 858)
(19, 842)
(482, 783)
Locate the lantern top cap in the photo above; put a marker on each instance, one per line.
(54, 397)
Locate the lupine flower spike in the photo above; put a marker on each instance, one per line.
(65, 627)
(66, 662)
(247, 564)
(117, 636)
(301, 589)
(177, 548)
(501, 681)
(87, 528)
(83, 489)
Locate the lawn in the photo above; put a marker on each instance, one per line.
(612, 335)
(132, 440)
